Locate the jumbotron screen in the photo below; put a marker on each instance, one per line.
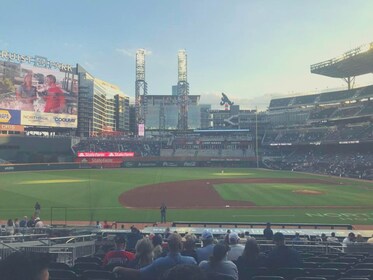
(37, 96)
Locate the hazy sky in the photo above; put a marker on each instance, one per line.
(251, 50)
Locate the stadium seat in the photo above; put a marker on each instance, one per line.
(310, 265)
(97, 275)
(364, 265)
(328, 273)
(268, 277)
(350, 260)
(62, 274)
(309, 278)
(318, 259)
(219, 276)
(290, 273)
(89, 260)
(337, 265)
(82, 266)
(58, 265)
(360, 273)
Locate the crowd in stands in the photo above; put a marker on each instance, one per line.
(342, 164)
(141, 148)
(361, 132)
(173, 256)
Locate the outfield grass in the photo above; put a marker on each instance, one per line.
(93, 195)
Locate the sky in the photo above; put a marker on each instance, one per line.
(252, 50)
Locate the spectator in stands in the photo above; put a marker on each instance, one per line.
(189, 246)
(218, 262)
(268, 232)
(25, 266)
(160, 265)
(16, 223)
(119, 256)
(281, 255)
(134, 236)
(250, 259)
(350, 239)
(370, 240)
(332, 238)
(184, 272)
(296, 238)
(157, 241)
(38, 223)
(98, 224)
(226, 237)
(31, 222)
(236, 249)
(167, 233)
(359, 238)
(205, 252)
(143, 255)
(9, 228)
(106, 225)
(23, 222)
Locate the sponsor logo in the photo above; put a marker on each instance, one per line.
(169, 164)
(9, 168)
(68, 120)
(5, 116)
(190, 164)
(35, 118)
(147, 164)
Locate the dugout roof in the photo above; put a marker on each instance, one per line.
(353, 63)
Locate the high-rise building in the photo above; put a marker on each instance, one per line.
(102, 107)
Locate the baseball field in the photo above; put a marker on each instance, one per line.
(191, 194)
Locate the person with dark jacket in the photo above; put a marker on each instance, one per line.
(281, 255)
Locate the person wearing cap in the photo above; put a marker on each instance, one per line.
(119, 256)
(218, 263)
(268, 232)
(236, 249)
(205, 252)
(281, 255)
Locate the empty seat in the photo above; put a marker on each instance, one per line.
(58, 265)
(267, 277)
(290, 273)
(89, 260)
(62, 274)
(364, 265)
(82, 266)
(350, 260)
(328, 273)
(360, 273)
(338, 265)
(97, 275)
(318, 259)
(309, 278)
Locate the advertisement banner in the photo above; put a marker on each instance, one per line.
(48, 119)
(10, 116)
(12, 127)
(105, 154)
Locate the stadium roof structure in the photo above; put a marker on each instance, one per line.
(358, 61)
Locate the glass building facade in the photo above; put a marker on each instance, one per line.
(102, 107)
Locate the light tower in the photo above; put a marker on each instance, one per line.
(141, 88)
(182, 91)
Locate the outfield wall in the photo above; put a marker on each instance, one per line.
(133, 163)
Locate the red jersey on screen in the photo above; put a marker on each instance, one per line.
(118, 257)
(55, 100)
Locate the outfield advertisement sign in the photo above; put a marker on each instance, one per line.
(105, 154)
(48, 119)
(10, 116)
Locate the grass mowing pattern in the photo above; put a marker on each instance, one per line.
(286, 194)
(94, 196)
